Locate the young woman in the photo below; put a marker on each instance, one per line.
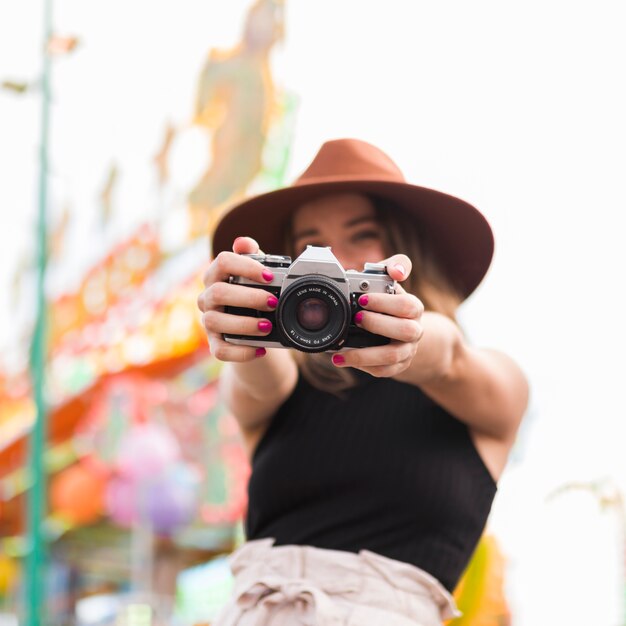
(373, 469)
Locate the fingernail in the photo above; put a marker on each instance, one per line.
(265, 326)
(272, 302)
(260, 352)
(363, 300)
(238, 239)
(400, 268)
(267, 275)
(338, 359)
(358, 318)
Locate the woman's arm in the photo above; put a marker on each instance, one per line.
(255, 382)
(253, 391)
(483, 388)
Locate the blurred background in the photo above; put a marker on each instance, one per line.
(145, 120)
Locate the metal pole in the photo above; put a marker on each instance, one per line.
(36, 559)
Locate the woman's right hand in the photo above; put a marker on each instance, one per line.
(220, 293)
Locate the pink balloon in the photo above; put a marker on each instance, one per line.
(170, 499)
(121, 501)
(146, 450)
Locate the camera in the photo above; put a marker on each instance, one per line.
(317, 301)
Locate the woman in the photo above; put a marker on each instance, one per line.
(373, 469)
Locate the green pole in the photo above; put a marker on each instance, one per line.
(36, 559)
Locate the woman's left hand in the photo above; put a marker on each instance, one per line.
(397, 316)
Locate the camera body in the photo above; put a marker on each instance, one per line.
(317, 301)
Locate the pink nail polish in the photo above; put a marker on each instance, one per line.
(400, 269)
(338, 359)
(363, 300)
(358, 318)
(267, 275)
(265, 326)
(272, 302)
(260, 352)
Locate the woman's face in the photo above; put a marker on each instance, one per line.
(345, 222)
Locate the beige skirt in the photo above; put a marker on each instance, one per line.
(301, 585)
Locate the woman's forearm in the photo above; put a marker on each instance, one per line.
(436, 350)
(255, 389)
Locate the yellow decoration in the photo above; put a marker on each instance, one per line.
(480, 593)
(235, 102)
(8, 574)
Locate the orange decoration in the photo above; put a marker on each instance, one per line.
(77, 494)
(115, 279)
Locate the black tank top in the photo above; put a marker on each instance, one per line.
(383, 469)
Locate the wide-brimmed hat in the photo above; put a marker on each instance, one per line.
(458, 234)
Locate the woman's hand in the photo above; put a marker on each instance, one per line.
(396, 316)
(220, 293)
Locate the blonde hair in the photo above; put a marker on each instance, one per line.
(427, 281)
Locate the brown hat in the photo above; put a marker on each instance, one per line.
(458, 233)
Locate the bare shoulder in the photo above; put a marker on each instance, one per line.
(493, 452)
(500, 411)
(251, 438)
(508, 388)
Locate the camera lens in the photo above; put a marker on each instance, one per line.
(312, 313)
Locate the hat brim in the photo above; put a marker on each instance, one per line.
(457, 232)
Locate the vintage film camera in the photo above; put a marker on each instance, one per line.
(317, 301)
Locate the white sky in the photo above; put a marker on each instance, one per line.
(517, 107)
